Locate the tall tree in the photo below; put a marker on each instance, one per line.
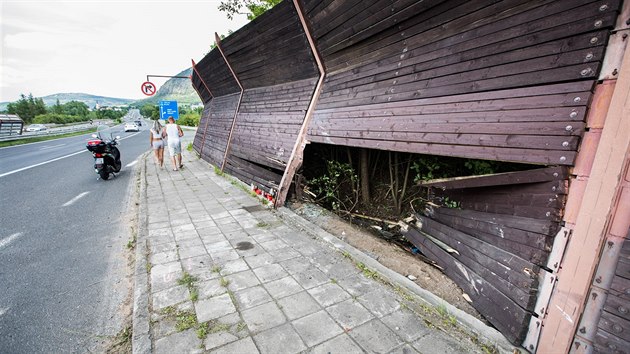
(255, 8)
(27, 107)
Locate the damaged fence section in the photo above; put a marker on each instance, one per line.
(507, 80)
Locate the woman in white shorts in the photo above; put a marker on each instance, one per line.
(174, 132)
(156, 140)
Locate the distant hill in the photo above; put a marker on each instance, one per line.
(174, 89)
(89, 100)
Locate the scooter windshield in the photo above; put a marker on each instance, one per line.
(104, 132)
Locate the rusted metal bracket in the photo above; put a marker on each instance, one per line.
(297, 154)
(238, 105)
(194, 67)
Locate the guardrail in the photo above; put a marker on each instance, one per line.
(48, 132)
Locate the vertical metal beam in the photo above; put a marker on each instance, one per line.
(240, 98)
(297, 154)
(205, 129)
(593, 219)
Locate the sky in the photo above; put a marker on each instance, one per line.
(104, 48)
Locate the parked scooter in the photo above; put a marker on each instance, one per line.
(105, 152)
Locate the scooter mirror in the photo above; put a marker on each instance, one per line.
(94, 136)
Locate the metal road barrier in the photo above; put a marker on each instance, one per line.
(49, 132)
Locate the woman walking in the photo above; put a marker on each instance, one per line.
(156, 138)
(173, 132)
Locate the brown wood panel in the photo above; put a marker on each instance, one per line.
(511, 267)
(502, 25)
(609, 343)
(499, 179)
(488, 227)
(476, 152)
(617, 306)
(502, 312)
(508, 140)
(614, 324)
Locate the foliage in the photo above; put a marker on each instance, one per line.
(255, 7)
(150, 111)
(189, 119)
(27, 107)
(338, 188)
(110, 114)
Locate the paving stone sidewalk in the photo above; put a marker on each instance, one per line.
(218, 272)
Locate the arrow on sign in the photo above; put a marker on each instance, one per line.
(148, 88)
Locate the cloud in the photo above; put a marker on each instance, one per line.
(102, 47)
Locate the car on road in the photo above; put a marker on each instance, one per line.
(35, 128)
(132, 127)
(139, 122)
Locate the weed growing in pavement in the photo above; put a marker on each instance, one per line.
(220, 327)
(346, 254)
(447, 318)
(241, 326)
(333, 281)
(131, 244)
(148, 266)
(367, 271)
(169, 311)
(194, 294)
(262, 224)
(190, 281)
(224, 282)
(185, 320)
(218, 171)
(216, 269)
(122, 341)
(203, 330)
(189, 147)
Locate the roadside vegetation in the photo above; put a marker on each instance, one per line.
(33, 110)
(187, 117)
(43, 138)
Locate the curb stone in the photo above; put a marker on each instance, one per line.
(141, 337)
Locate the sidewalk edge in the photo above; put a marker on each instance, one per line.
(141, 338)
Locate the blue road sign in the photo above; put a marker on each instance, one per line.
(169, 109)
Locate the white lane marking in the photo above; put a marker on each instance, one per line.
(73, 200)
(51, 146)
(41, 163)
(131, 163)
(53, 160)
(6, 241)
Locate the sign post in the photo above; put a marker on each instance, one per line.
(169, 109)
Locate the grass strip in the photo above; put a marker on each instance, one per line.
(44, 138)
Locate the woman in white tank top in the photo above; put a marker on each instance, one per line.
(156, 139)
(173, 132)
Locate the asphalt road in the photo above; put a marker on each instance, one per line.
(63, 239)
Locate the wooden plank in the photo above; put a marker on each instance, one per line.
(614, 324)
(512, 267)
(497, 179)
(538, 226)
(544, 157)
(531, 239)
(529, 253)
(495, 140)
(436, 54)
(494, 66)
(490, 113)
(617, 306)
(551, 15)
(497, 308)
(609, 343)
